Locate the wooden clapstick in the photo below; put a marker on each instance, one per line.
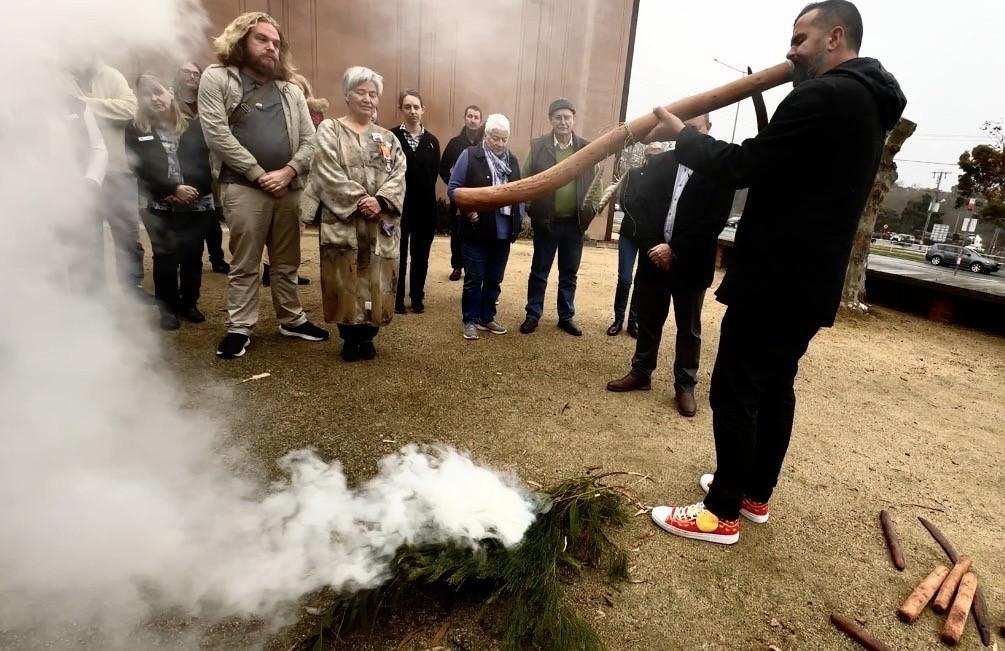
(857, 633)
(892, 542)
(957, 619)
(916, 603)
(551, 179)
(945, 597)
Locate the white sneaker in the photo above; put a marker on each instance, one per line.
(753, 511)
(470, 331)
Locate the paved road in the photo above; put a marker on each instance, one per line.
(992, 286)
(921, 271)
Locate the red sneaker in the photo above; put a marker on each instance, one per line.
(696, 522)
(753, 511)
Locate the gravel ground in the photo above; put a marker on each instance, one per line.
(894, 412)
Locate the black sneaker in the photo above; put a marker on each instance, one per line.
(266, 280)
(220, 267)
(529, 325)
(233, 345)
(350, 351)
(367, 350)
(193, 315)
(305, 330)
(169, 321)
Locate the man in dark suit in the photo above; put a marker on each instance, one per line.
(810, 172)
(677, 215)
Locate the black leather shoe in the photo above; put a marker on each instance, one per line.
(570, 327)
(220, 267)
(418, 307)
(192, 315)
(169, 321)
(615, 329)
(399, 308)
(633, 330)
(303, 281)
(529, 325)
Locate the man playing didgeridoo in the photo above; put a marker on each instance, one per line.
(809, 173)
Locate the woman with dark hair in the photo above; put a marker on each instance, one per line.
(170, 159)
(418, 221)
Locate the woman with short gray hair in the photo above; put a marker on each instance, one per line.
(357, 187)
(486, 236)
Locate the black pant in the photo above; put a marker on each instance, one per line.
(176, 239)
(418, 242)
(456, 255)
(753, 403)
(653, 293)
(214, 238)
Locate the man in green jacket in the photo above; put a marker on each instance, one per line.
(559, 220)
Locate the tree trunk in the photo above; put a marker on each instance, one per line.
(853, 295)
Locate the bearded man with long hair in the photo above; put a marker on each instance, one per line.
(260, 134)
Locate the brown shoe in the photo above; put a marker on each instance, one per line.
(685, 403)
(630, 382)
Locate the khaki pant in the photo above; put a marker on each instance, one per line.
(256, 220)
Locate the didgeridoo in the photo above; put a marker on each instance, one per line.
(550, 180)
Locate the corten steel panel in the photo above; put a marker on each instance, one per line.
(508, 56)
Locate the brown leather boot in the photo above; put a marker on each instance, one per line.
(630, 382)
(685, 403)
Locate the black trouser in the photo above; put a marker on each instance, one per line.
(214, 238)
(360, 333)
(753, 403)
(176, 239)
(418, 242)
(654, 294)
(456, 255)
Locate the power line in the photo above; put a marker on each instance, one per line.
(924, 162)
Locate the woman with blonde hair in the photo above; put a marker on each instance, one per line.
(357, 187)
(169, 157)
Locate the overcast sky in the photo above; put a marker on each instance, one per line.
(946, 56)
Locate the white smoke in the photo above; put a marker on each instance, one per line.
(117, 503)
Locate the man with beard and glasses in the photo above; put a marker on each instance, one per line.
(186, 93)
(809, 173)
(260, 137)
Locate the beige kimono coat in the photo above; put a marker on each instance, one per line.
(359, 258)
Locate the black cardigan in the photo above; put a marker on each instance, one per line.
(149, 161)
(419, 210)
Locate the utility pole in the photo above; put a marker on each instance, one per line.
(938, 184)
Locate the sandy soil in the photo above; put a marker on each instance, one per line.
(894, 412)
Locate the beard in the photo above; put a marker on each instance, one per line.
(265, 66)
(806, 69)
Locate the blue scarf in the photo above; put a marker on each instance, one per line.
(500, 167)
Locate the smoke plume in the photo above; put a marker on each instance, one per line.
(117, 504)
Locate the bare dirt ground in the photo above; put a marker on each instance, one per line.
(893, 412)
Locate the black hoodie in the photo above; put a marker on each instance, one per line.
(810, 172)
